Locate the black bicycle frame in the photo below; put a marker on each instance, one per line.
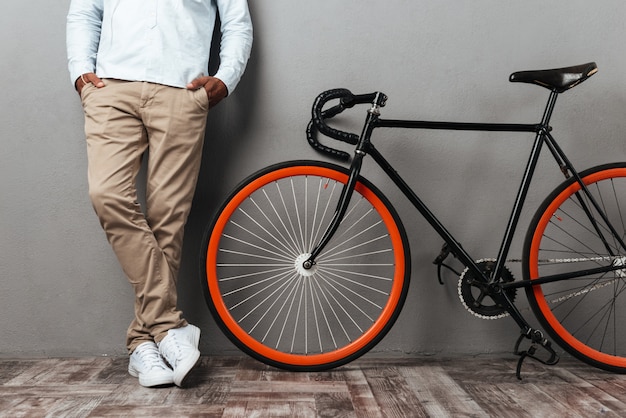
(543, 136)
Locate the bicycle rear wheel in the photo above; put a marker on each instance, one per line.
(584, 314)
(281, 313)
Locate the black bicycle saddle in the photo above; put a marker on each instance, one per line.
(558, 79)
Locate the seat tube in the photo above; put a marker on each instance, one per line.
(524, 186)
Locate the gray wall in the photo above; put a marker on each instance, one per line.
(62, 290)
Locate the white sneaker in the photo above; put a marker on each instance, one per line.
(180, 350)
(147, 364)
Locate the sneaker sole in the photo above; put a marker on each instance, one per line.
(182, 370)
(151, 382)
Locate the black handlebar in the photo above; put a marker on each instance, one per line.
(319, 116)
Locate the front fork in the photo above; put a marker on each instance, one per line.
(355, 169)
(340, 211)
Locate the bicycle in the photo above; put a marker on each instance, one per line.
(306, 266)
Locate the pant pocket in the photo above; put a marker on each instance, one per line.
(202, 99)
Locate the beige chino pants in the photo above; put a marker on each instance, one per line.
(123, 120)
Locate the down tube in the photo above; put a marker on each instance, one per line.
(458, 250)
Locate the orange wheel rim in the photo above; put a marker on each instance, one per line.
(300, 359)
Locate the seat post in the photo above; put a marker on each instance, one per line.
(547, 114)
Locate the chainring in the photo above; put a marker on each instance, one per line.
(474, 295)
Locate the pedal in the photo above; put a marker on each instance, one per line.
(537, 341)
(445, 252)
(439, 262)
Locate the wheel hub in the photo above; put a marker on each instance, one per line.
(619, 262)
(301, 269)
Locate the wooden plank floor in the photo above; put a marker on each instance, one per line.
(483, 386)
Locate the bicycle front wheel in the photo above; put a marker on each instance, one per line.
(586, 313)
(273, 308)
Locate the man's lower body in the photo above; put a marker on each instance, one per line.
(123, 121)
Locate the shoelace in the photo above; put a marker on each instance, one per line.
(172, 345)
(149, 355)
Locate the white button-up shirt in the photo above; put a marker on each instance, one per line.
(160, 41)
